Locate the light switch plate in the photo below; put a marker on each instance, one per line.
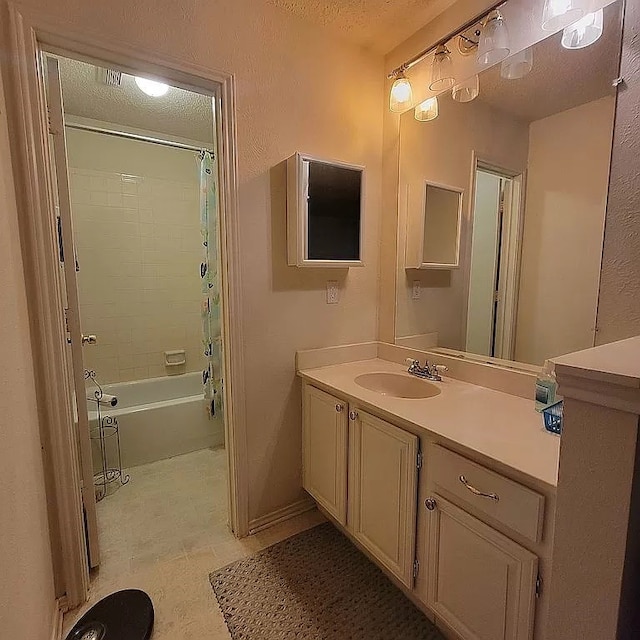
(333, 292)
(415, 291)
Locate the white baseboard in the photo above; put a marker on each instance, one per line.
(56, 620)
(280, 515)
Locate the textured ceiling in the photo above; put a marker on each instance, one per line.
(380, 25)
(178, 113)
(560, 79)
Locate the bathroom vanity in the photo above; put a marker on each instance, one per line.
(449, 489)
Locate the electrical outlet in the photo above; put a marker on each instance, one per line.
(415, 292)
(333, 292)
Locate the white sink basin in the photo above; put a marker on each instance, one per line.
(397, 385)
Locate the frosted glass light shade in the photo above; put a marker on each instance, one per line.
(518, 65)
(427, 110)
(151, 87)
(441, 70)
(558, 14)
(466, 91)
(401, 96)
(584, 32)
(494, 42)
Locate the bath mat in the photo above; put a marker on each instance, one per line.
(315, 586)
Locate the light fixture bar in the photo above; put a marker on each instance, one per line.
(412, 62)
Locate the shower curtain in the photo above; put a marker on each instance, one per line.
(209, 273)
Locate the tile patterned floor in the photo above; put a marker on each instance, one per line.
(165, 532)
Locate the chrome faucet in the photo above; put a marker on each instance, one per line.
(428, 372)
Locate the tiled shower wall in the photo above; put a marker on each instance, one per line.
(136, 225)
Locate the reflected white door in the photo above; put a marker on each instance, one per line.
(484, 264)
(58, 164)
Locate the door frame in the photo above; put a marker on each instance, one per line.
(31, 33)
(513, 248)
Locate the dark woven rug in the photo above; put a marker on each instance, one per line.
(315, 586)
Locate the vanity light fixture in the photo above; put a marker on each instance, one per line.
(401, 96)
(151, 87)
(465, 41)
(494, 41)
(518, 65)
(441, 70)
(427, 110)
(558, 14)
(585, 32)
(466, 91)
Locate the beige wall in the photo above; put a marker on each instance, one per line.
(566, 198)
(26, 575)
(137, 229)
(298, 89)
(619, 301)
(441, 151)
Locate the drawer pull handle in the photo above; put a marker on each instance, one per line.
(477, 492)
(339, 408)
(353, 415)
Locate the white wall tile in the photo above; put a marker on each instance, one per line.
(139, 248)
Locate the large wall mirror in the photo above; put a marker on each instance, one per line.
(530, 155)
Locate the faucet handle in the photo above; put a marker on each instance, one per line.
(412, 362)
(441, 368)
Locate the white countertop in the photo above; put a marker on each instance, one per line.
(616, 362)
(500, 426)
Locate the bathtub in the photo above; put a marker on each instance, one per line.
(158, 418)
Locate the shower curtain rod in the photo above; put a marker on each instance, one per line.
(135, 136)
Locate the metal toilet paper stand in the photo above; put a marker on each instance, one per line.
(106, 433)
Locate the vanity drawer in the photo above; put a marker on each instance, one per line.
(503, 500)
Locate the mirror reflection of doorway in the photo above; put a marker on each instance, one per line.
(495, 253)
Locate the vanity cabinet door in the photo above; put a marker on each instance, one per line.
(324, 442)
(382, 491)
(481, 583)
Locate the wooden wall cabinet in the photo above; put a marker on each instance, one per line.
(325, 213)
(433, 228)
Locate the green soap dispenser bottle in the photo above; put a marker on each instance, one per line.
(546, 386)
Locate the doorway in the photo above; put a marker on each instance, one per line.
(495, 261)
(36, 185)
(134, 166)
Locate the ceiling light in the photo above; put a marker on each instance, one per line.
(584, 32)
(558, 14)
(518, 65)
(441, 70)
(494, 41)
(427, 110)
(466, 91)
(401, 96)
(151, 87)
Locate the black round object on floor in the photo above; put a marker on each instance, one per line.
(123, 615)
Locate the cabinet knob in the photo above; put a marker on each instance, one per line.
(353, 415)
(430, 503)
(339, 408)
